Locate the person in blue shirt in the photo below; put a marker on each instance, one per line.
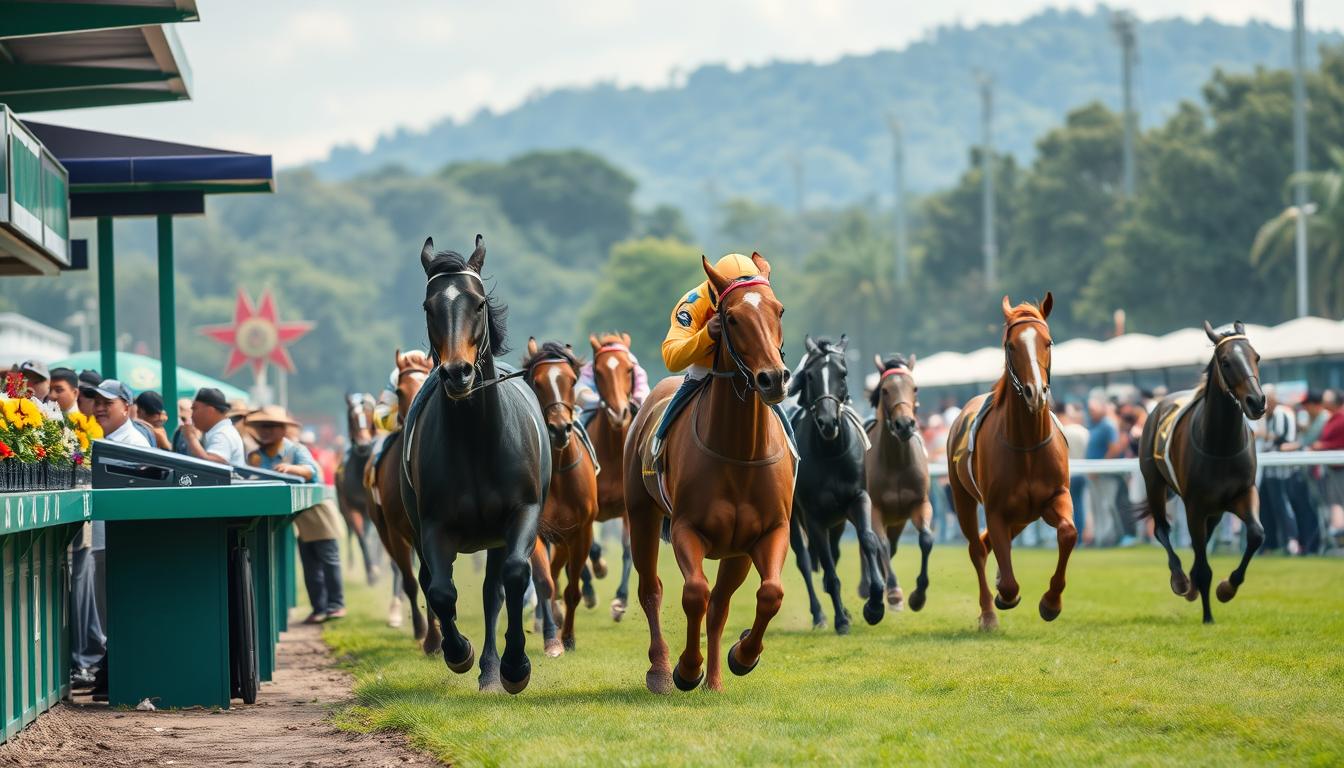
(1103, 442)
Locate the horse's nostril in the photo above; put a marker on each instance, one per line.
(764, 380)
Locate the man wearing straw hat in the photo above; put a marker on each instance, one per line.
(319, 527)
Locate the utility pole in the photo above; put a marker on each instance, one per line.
(1300, 149)
(987, 175)
(898, 199)
(1122, 23)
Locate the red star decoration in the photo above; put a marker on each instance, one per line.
(257, 336)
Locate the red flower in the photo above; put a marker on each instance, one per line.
(5, 451)
(40, 451)
(79, 459)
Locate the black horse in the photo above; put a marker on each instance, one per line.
(831, 486)
(476, 466)
(1199, 445)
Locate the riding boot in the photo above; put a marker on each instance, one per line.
(679, 400)
(788, 428)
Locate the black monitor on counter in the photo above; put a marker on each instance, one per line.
(117, 465)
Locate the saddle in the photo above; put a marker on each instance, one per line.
(1184, 402)
(587, 442)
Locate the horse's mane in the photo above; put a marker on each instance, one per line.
(891, 361)
(1022, 311)
(552, 350)
(451, 261)
(825, 344)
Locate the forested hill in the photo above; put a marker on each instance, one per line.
(725, 133)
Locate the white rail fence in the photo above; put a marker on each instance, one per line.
(1130, 466)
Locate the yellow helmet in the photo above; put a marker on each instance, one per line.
(735, 265)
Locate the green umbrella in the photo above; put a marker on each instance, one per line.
(140, 373)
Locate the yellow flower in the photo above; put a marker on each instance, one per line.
(83, 442)
(11, 411)
(94, 429)
(32, 415)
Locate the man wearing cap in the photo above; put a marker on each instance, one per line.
(112, 408)
(210, 435)
(35, 373)
(319, 527)
(88, 380)
(63, 390)
(149, 411)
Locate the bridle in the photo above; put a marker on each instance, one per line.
(613, 346)
(1013, 380)
(1226, 385)
(571, 407)
(813, 406)
(740, 366)
(482, 344)
(898, 370)
(358, 408)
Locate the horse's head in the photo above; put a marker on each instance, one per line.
(1235, 368)
(613, 374)
(553, 371)
(896, 397)
(1027, 350)
(412, 370)
(821, 384)
(752, 334)
(359, 416)
(465, 324)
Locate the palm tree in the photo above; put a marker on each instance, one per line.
(1274, 243)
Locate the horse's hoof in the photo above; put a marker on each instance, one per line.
(617, 609)
(873, 612)
(735, 666)
(516, 686)
(1048, 612)
(589, 596)
(1225, 591)
(569, 643)
(658, 682)
(490, 686)
(1180, 585)
(989, 622)
(917, 600)
(1192, 593)
(394, 614)
(895, 598)
(465, 665)
(1004, 605)
(686, 685)
(554, 647)
(818, 622)
(431, 648)
(600, 568)
(1208, 619)
(842, 627)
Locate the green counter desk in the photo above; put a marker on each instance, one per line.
(35, 529)
(167, 584)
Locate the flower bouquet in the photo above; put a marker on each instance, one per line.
(39, 448)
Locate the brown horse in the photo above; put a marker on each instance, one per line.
(1015, 462)
(1199, 445)
(614, 376)
(571, 506)
(728, 487)
(897, 470)
(386, 509)
(351, 497)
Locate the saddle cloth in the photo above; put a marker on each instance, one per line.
(1166, 428)
(588, 445)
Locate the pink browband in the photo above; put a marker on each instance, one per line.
(612, 347)
(743, 284)
(897, 369)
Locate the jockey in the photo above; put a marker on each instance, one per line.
(590, 399)
(692, 338)
(385, 412)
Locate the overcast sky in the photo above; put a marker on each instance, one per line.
(294, 78)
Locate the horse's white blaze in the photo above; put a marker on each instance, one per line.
(554, 376)
(418, 376)
(452, 292)
(1029, 338)
(825, 379)
(612, 362)
(753, 298)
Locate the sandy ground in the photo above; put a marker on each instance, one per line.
(288, 726)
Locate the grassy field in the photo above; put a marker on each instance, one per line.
(1127, 675)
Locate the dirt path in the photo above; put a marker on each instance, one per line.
(287, 726)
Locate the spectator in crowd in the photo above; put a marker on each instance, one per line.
(209, 434)
(1332, 439)
(1275, 430)
(88, 381)
(183, 417)
(1076, 434)
(112, 407)
(149, 409)
(39, 380)
(64, 389)
(1104, 441)
(319, 527)
(326, 458)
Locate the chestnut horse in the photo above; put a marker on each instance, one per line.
(614, 376)
(1208, 459)
(386, 509)
(728, 487)
(1019, 465)
(571, 506)
(351, 497)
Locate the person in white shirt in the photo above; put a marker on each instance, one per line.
(210, 435)
(112, 408)
(64, 390)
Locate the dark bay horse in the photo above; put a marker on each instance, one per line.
(386, 509)
(351, 497)
(476, 466)
(1198, 445)
(831, 487)
(1019, 466)
(614, 375)
(898, 472)
(728, 487)
(571, 505)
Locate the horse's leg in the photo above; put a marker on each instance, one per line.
(520, 537)
(645, 526)
(1248, 509)
(830, 580)
(922, 517)
(732, 572)
(558, 562)
(798, 541)
(544, 582)
(575, 567)
(492, 598)
(399, 549)
(1200, 573)
(1001, 535)
(1059, 513)
(1156, 490)
(689, 549)
(595, 555)
(964, 503)
(870, 556)
(437, 553)
(768, 557)
(895, 597)
(618, 603)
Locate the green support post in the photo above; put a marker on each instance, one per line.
(167, 320)
(107, 300)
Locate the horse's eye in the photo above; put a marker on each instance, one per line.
(781, 311)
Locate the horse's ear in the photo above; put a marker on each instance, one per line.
(877, 360)
(795, 386)
(762, 265)
(396, 357)
(592, 340)
(811, 345)
(427, 254)
(844, 342)
(1047, 304)
(716, 281)
(477, 258)
(910, 363)
(1007, 306)
(1208, 331)
(569, 347)
(625, 337)
(1239, 327)
(531, 345)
